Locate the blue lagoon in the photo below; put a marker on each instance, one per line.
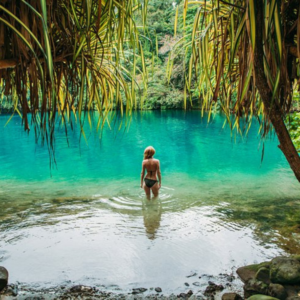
(86, 220)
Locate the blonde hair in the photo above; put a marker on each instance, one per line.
(149, 152)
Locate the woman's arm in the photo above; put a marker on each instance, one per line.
(159, 174)
(142, 173)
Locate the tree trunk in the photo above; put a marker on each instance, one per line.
(272, 109)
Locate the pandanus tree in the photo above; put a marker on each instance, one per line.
(245, 58)
(64, 57)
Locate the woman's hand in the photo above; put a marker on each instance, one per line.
(159, 186)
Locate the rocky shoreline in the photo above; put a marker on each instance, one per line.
(278, 279)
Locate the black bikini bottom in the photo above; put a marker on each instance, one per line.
(150, 182)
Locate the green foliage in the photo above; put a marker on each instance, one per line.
(219, 42)
(293, 121)
(165, 82)
(59, 58)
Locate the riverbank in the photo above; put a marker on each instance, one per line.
(277, 279)
(203, 287)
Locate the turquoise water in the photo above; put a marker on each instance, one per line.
(87, 221)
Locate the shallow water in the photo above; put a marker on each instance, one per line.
(87, 221)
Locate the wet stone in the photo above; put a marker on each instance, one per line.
(253, 287)
(248, 272)
(3, 278)
(263, 274)
(277, 290)
(196, 283)
(158, 290)
(231, 296)
(138, 290)
(11, 290)
(285, 270)
(230, 278)
(261, 297)
(80, 289)
(182, 295)
(185, 295)
(186, 284)
(212, 288)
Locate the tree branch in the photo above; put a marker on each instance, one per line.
(234, 5)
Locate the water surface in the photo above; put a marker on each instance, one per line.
(87, 220)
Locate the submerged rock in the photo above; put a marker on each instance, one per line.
(212, 288)
(3, 278)
(285, 270)
(231, 296)
(158, 290)
(185, 295)
(230, 278)
(138, 290)
(190, 292)
(182, 295)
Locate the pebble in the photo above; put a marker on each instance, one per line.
(231, 296)
(186, 284)
(212, 288)
(138, 290)
(182, 295)
(80, 288)
(12, 290)
(158, 290)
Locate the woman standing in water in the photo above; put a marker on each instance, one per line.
(150, 182)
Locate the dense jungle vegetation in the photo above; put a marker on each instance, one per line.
(69, 57)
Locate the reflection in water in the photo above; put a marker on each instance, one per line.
(152, 216)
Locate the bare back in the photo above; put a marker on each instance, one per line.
(152, 166)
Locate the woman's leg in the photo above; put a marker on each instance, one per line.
(147, 191)
(155, 189)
